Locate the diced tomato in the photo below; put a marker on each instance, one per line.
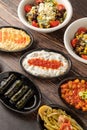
(65, 126)
(27, 7)
(74, 41)
(63, 86)
(54, 23)
(84, 57)
(38, 1)
(60, 7)
(35, 24)
(81, 30)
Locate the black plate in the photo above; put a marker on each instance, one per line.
(23, 49)
(68, 111)
(0, 68)
(59, 92)
(48, 50)
(33, 102)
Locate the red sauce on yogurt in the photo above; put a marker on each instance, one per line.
(53, 64)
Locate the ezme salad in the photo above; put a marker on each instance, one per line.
(45, 13)
(79, 42)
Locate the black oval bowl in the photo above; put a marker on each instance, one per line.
(23, 49)
(0, 68)
(59, 92)
(68, 111)
(48, 50)
(33, 102)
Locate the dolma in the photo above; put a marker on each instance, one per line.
(6, 83)
(13, 89)
(19, 94)
(21, 103)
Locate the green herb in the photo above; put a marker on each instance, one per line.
(83, 94)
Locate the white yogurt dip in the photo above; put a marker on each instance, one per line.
(38, 70)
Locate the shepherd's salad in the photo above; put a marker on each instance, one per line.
(45, 13)
(79, 42)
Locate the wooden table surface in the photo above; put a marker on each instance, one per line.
(10, 120)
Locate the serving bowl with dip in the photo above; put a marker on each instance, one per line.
(45, 63)
(14, 39)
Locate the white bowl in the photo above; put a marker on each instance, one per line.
(69, 34)
(21, 15)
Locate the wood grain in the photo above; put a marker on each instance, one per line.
(10, 61)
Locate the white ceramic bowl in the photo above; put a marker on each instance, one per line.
(69, 34)
(21, 15)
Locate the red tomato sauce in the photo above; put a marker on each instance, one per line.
(53, 64)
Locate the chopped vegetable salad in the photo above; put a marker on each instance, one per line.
(79, 42)
(45, 13)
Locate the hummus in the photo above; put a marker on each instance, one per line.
(12, 39)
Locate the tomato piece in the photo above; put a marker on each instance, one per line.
(84, 57)
(65, 126)
(81, 30)
(35, 24)
(38, 1)
(60, 7)
(74, 41)
(54, 23)
(27, 8)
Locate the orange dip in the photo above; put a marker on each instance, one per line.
(13, 39)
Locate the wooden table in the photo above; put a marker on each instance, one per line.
(10, 120)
